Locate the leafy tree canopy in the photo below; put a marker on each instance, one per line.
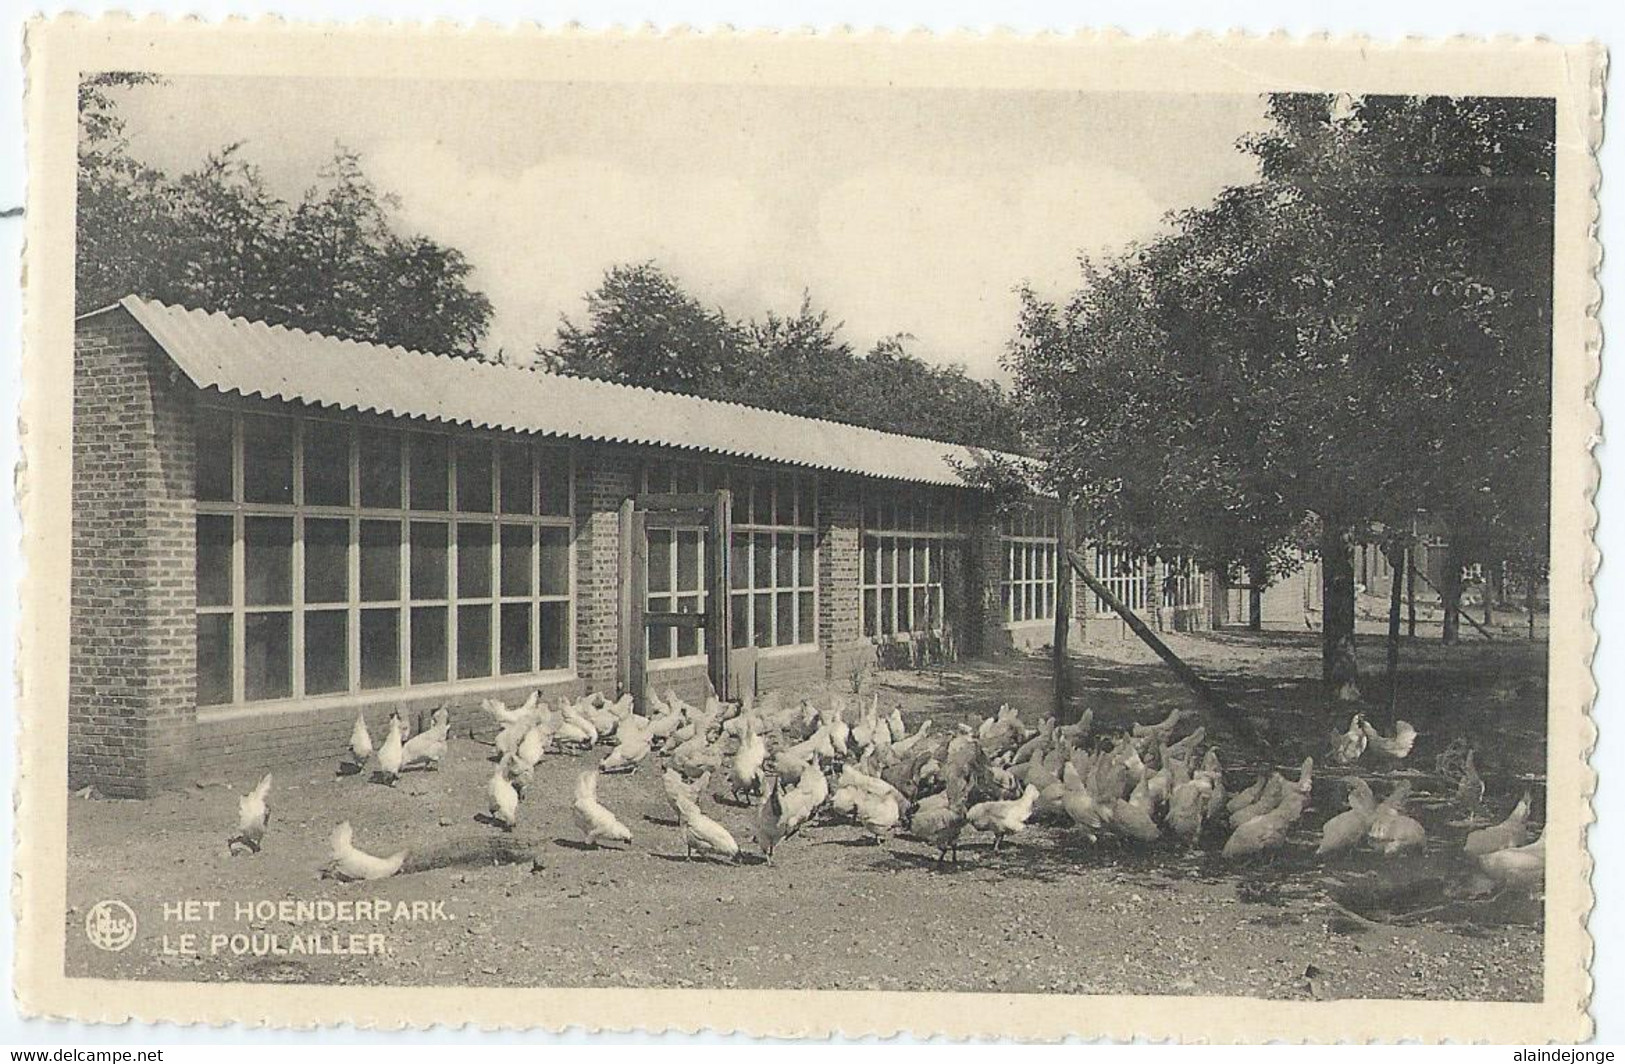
(642, 328)
(217, 238)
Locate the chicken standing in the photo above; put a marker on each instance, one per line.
(940, 827)
(1347, 747)
(391, 754)
(426, 749)
(351, 864)
(1269, 830)
(702, 834)
(253, 814)
(1509, 833)
(1346, 830)
(768, 825)
(1397, 747)
(502, 799)
(1520, 868)
(745, 776)
(1005, 817)
(1393, 832)
(597, 824)
(360, 750)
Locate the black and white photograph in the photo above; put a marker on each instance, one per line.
(723, 533)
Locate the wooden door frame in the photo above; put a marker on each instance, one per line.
(710, 512)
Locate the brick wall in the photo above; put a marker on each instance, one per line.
(840, 578)
(605, 476)
(132, 641)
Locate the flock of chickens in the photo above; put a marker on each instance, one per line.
(795, 762)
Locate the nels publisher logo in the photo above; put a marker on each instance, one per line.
(110, 925)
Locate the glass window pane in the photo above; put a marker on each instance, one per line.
(267, 655)
(518, 496)
(515, 637)
(762, 565)
(555, 645)
(327, 560)
(921, 622)
(741, 620)
(428, 560)
(214, 538)
(887, 622)
(660, 560)
(761, 507)
(327, 464)
(474, 561)
(380, 648)
(517, 555)
(327, 652)
(267, 459)
(806, 629)
(888, 561)
(739, 561)
(919, 561)
(380, 460)
(785, 617)
(784, 497)
(428, 644)
(806, 512)
(555, 473)
(804, 561)
(429, 472)
(688, 639)
(871, 613)
(905, 612)
(555, 561)
(473, 641)
(1007, 601)
(784, 559)
(871, 555)
(213, 659)
(688, 561)
(214, 458)
(380, 561)
(268, 560)
(762, 618)
(474, 476)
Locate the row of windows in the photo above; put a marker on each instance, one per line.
(1128, 576)
(331, 561)
(903, 580)
(773, 559)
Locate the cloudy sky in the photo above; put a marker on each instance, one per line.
(914, 211)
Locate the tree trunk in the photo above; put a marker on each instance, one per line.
(1255, 596)
(1396, 560)
(1410, 591)
(1450, 593)
(1339, 668)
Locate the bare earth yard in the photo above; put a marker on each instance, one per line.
(1050, 912)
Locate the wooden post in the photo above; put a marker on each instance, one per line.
(1186, 674)
(634, 634)
(1463, 613)
(1063, 617)
(627, 630)
(719, 619)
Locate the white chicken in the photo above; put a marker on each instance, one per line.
(253, 814)
(745, 776)
(597, 824)
(1003, 818)
(502, 800)
(702, 834)
(350, 864)
(391, 754)
(361, 749)
(426, 749)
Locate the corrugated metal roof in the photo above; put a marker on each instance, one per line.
(255, 359)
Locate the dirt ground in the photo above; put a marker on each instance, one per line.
(1048, 913)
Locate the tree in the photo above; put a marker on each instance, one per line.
(643, 328)
(218, 239)
(1325, 351)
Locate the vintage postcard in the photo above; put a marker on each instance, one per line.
(973, 536)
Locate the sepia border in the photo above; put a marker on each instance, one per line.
(58, 50)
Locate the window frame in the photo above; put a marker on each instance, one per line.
(1030, 575)
(353, 606)
(932, 520)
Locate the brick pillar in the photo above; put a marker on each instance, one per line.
(982, 578)
(840, 577)
(604, 477)
(132, 654)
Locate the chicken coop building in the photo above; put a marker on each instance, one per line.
(274, 529)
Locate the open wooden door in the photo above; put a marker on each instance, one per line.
(711, 515)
